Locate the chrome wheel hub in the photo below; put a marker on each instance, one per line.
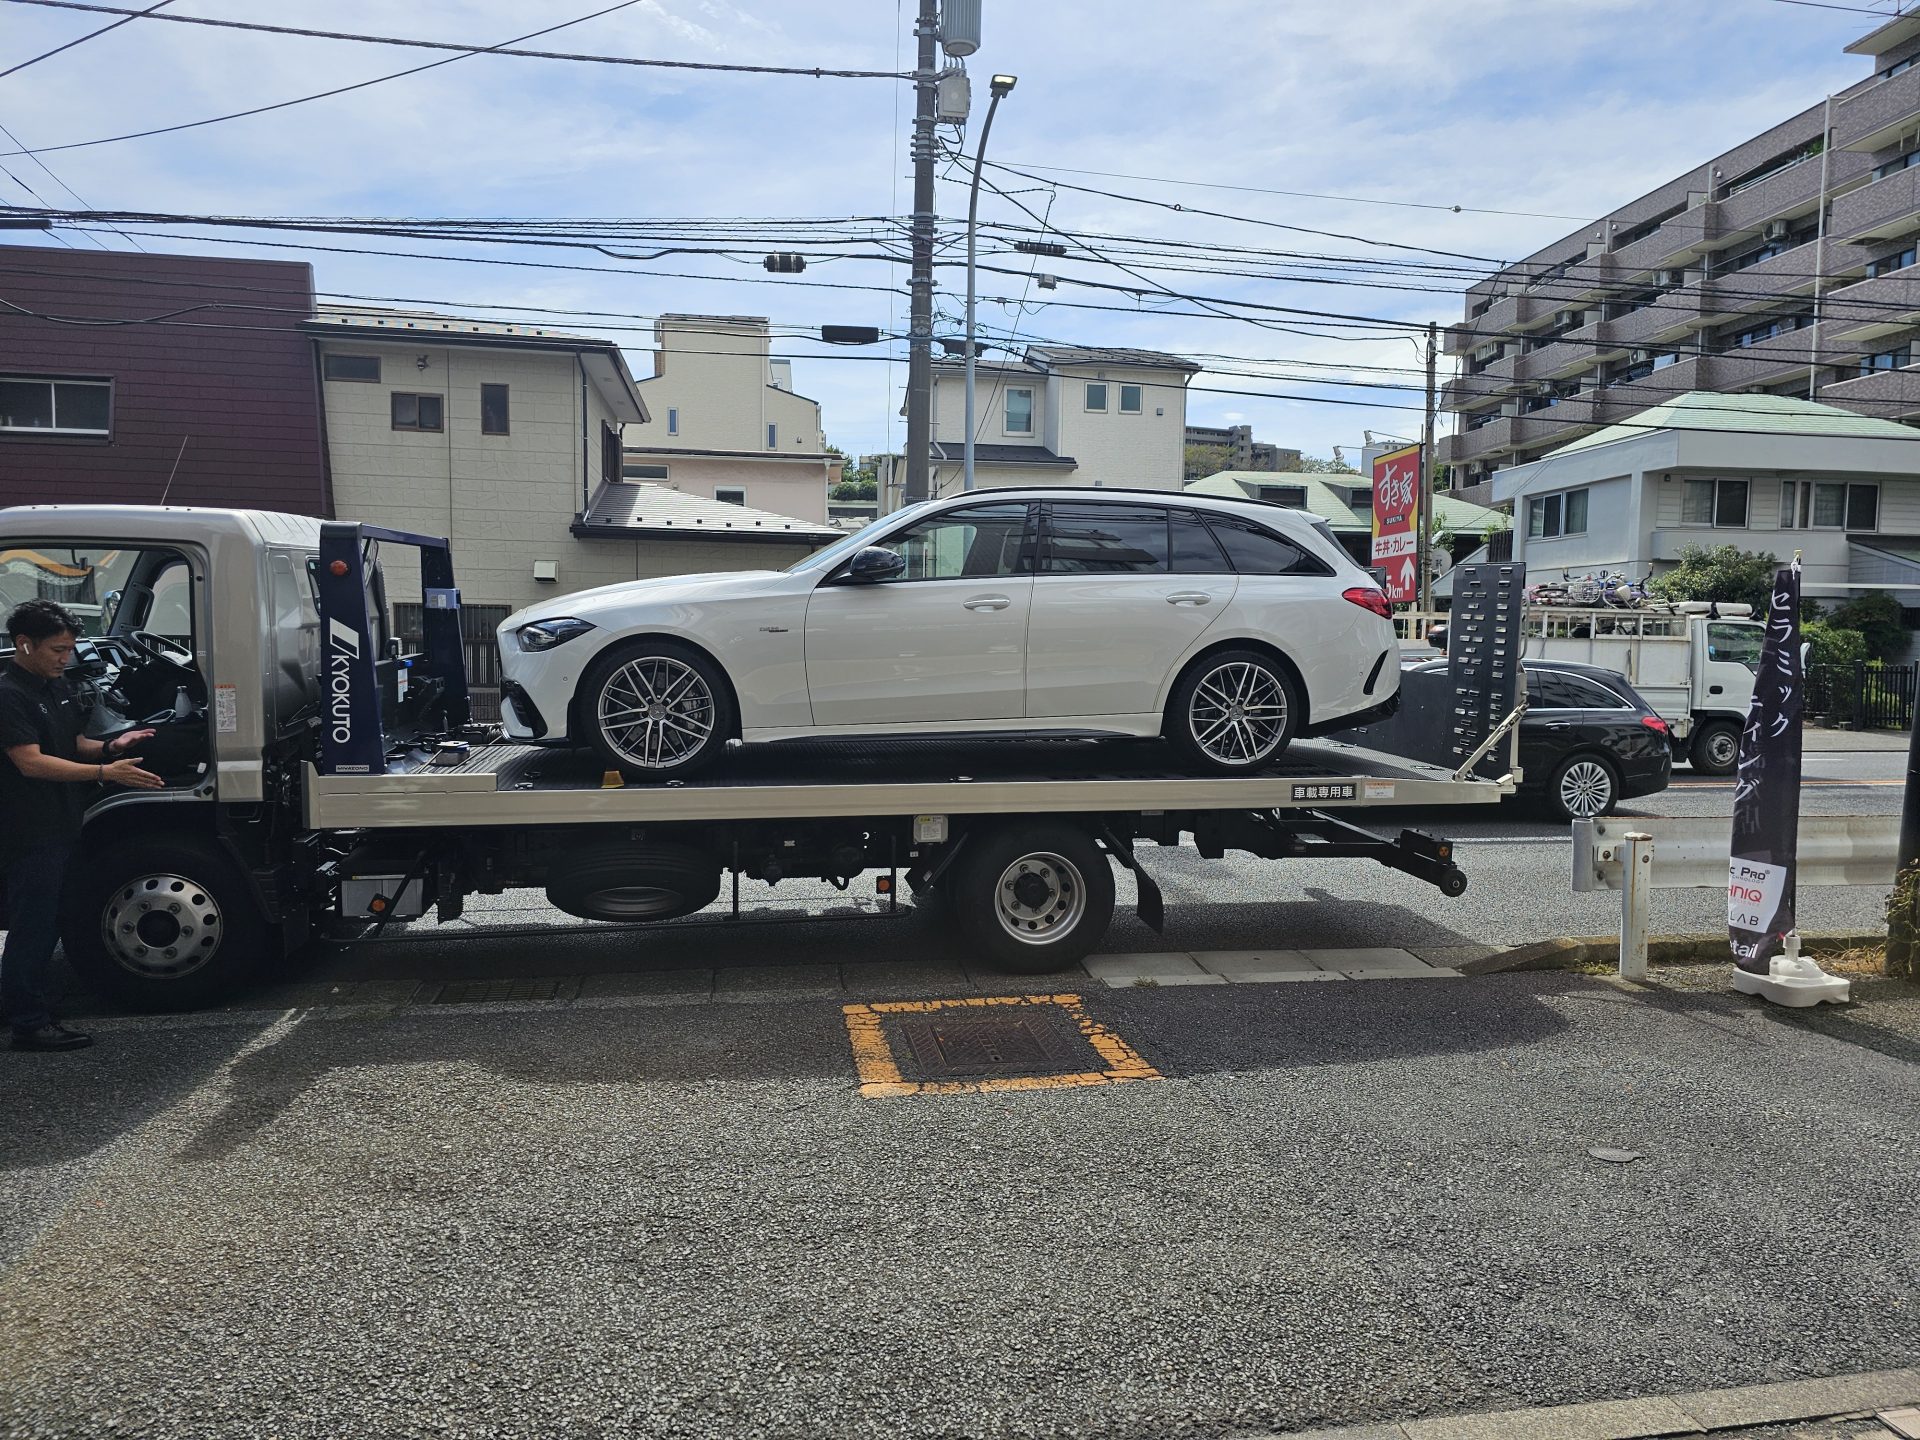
(655, 712)
(1039, 898)
(1238, 713)
(163, 926)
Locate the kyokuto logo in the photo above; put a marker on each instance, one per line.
(343, 649)
(1396, 490)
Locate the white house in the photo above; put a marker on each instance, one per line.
(724, 422)
(1762, 472)
(1064, 415)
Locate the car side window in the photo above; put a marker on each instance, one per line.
(1257, 551)
(1572, 692)
(1195, 551)
(1536, 695)
(1106, 540)
(986, 542)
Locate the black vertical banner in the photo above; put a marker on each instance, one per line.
(1766, 791)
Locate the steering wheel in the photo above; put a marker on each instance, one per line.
(164, 649)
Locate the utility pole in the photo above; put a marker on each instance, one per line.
(1424, 516)
(926, 81)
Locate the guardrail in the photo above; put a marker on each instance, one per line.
(1636, 857)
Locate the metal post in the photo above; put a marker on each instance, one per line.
(973, 216)
(926, 81)
(1636, 899)
(1820, 251)
(1423, 517)
(1903, 909)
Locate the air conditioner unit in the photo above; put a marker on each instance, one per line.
(1670, 278)
(1777, 229)
(1567, 318)
(1544, 388)
(1639, 356)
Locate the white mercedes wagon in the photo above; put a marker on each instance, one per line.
(1229, 627)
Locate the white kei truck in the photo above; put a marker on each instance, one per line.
(1695, 665)
(319, 781)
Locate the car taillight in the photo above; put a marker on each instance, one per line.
(1656, 724)
(1368, 598)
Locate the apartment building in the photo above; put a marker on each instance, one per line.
(724, 422)
(1784, 266)
(1234, 448)
(1064, 415)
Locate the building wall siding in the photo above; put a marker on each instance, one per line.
(226, 391)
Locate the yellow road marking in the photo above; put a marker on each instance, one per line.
(879, 1070)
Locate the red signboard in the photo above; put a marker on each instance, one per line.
(1396, 521)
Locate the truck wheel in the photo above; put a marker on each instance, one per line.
(1032, 898)
(633, 881)
(1233, 713)
(166, 923)
(1715, 749)
(655, 710)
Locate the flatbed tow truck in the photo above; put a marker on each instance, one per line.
(320, 781)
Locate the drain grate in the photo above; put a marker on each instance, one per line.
(494, 992)
(1013, 1042)
(952, 1045)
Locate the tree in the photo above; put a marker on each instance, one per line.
(1314, 465)
(867, 489)
(1876, 615)
(1723, 573)
(1204, 460)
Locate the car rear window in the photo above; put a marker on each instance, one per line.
(1560, 691)
(1255, 551)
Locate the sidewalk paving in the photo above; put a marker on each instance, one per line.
(1816, 738)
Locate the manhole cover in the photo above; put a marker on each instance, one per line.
(494, 992)
(953, 1044)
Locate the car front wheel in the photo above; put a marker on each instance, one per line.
(1583, 788)
(655, 710)
(1233, 712)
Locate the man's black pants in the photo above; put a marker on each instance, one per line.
(33, 929)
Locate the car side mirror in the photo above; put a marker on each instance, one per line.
(875, 564)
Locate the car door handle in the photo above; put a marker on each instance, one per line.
(1558, 725)
(986, 602)
(1189, 597)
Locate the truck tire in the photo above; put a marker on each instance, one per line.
(1233, 713)
(168, 922)
(655, 710)
(633, 881)
(1032, 899)
(1715, 748)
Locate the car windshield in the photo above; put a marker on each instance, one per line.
(859, 540)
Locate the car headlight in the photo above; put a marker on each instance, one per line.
(545, 634)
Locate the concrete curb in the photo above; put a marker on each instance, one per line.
(1571, 952)
(1698, 1413)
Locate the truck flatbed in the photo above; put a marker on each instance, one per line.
(500, 784)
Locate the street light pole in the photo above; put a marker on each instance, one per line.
(926, 81)
(1002, 87)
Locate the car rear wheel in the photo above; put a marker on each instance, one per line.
(655, 710)
(1585, 787)
(1715, 748)
(1233, 713)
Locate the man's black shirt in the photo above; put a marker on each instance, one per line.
(35, 814)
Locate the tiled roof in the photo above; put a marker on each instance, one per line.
(1326, 498)
(1098, 355)
(1746, 414)
(626, 509)
(950, 452)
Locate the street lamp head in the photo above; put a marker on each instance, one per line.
(1002, 85)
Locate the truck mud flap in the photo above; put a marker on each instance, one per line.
(1152, 908)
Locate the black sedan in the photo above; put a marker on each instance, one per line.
(1588, 741)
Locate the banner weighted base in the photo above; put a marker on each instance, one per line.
(1793, 980)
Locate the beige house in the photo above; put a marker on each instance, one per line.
(1064, 415)
(723, 421)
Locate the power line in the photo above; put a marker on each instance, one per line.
(90, 35)
(1307, 194)
(66, 187)
(1851, 9)
(465, 53)
(817, 72)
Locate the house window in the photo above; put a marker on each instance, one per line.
(493, 410)
(1887, 264)
(673, 422)
(1718, 503)
(1895, 359)
(1828, 505)
(1129, 399)
(1895, 166)
(1097, 396)
(1551, 516)
(730, 494)
(610, 466)
(416, 412)
(631, 471)
(1293, 495)
(1019, 412)
(773, 436)
(56, 407)
(351, 367)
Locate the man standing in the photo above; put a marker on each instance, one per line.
(46, 774)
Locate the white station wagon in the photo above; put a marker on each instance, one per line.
(1229, 627)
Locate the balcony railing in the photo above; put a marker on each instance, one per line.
(1889, 394)
(1878, 210)
(1874, 118)
(1872, 307)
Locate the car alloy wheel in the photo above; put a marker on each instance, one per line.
(1586, 789)
(1039, 898)
(1238, 713)
(655, 711)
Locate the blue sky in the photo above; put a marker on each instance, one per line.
(1541, 106)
